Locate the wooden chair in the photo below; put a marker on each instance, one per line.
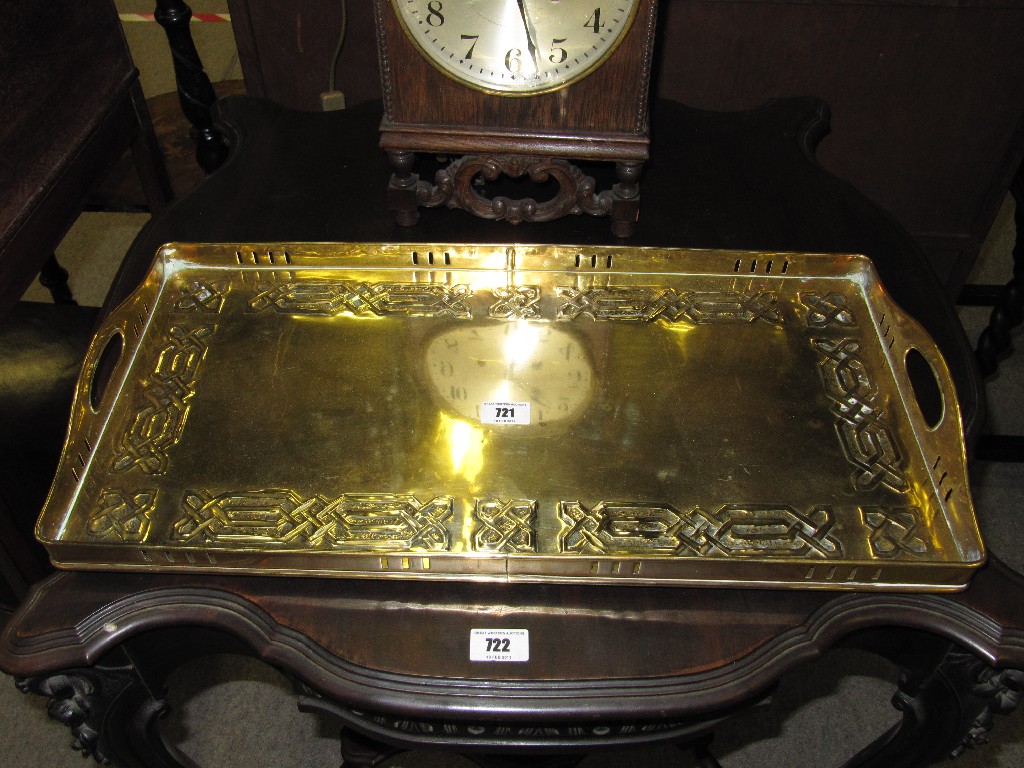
(995, 341)
(72, 106)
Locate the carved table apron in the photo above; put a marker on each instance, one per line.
(373, 653)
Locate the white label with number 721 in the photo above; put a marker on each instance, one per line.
(499, 645)
(494, 412)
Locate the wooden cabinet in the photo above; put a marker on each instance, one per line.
(927, 97)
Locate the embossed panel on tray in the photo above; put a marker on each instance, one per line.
(515, 413)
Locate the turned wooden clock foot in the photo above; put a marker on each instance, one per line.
(402, 188)
(625, 209)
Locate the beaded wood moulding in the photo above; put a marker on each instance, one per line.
(516, 413)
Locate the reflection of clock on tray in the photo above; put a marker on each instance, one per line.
(516, 89)
(515, 413)
(517, 373)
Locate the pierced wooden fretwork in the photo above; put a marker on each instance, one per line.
(456, 186)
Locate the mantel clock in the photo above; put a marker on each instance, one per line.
(518, 88)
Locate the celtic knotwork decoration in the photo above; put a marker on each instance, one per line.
(122, 516)
(517, 303)
(866, 440)
(828, 309)
(618, 527)
(896, 532)
(456, 186)
(648, 303)
(278, 517)
(504, 527)
(162, 402)
(640, 303)
(732, 307)
(773, 530)
(762, 530)
(199, 296)
(358, 298)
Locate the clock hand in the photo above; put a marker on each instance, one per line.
(530, 35)
(535, 397)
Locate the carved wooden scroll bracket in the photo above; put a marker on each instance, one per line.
(459, 186)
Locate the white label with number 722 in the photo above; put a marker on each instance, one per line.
(499, 645)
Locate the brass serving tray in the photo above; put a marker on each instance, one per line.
(664, 417)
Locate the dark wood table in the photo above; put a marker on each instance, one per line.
(388, 660)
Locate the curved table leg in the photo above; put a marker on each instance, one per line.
(359, 751)
(701, 751)
(948, 697)
(112, 712)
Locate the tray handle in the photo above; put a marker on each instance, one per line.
(107, 354)
(931, 404)
(930, 395)
(930, 391)
(103, 372)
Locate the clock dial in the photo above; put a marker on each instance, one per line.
(511, 362)
(516, 47)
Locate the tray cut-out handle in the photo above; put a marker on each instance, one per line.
(105, 366)
(924, 382)
(102, 370)
(931, 400)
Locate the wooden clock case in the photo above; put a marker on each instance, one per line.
(602, 117)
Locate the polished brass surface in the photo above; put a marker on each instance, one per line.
(669, 416)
